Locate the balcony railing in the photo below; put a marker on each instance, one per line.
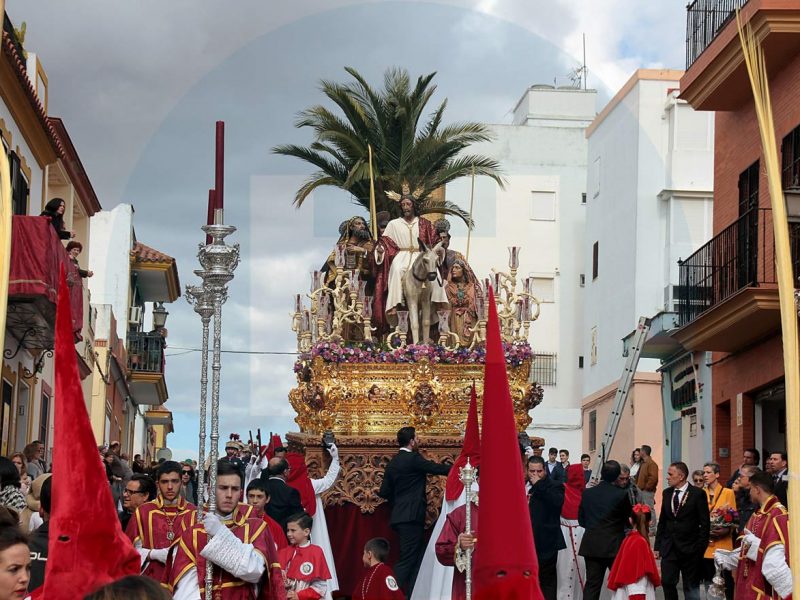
(146, 352)
(704, 20)
(741, 256)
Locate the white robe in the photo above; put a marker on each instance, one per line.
(435, 580)
(319, 528)
(406, 236)
(571, 568)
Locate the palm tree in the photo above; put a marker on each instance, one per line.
(406, 154)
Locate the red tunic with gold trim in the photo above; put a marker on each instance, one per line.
(278, 536)
(156, 525)
(225, 586)
(770, 523)
(378, 583)
(303, 566)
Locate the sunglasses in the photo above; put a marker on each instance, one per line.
(186, 472)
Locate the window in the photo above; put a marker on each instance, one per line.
(543, 289)
(19, 185)
(44, 419)
(580, 362)
(595, 259)
(583, 198)
(593, 351)
(543, 206)
(582, 279)
(790, 159)
(543, 370)
(5, 417)
(592, 430)
(748, 188)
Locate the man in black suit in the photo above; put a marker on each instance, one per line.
(778, 468)
(403, 485)
(682, 534)
(544, 503)
(603, 513)
(284, 499)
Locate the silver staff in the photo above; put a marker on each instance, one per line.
(203, 305)
(219, 262)
(467, 476)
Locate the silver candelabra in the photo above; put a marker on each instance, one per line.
(218, 261)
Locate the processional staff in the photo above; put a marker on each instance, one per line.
(467, 476)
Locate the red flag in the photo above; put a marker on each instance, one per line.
(87, 546)
(471, 449)
(504, 522)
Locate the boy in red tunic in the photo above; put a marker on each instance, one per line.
(241, 550)
(378, 582)
(305, 570)
(258, 498)
(158, 524)
(762, 560)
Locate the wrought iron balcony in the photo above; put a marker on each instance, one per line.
(146, 352)
(741, 256)
(704, 20)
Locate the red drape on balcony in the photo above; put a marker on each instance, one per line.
(36, 258)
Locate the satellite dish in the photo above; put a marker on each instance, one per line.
(163, 453)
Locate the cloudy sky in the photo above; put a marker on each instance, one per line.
(140, 85)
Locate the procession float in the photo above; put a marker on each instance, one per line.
(391, 330)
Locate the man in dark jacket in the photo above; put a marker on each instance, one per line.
(682, 535)
(140, 489)
(404, 483)
(40, 537)
(545, 501)
(284, 499)
(744, 503)
(603, 513)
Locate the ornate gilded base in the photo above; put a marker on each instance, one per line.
(374, 398)
(363, 460)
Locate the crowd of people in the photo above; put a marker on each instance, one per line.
(268, 529)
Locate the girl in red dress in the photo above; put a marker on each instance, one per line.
(634, 574)
(304, 568)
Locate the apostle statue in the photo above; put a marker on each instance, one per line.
(354, 246)
(461, 290)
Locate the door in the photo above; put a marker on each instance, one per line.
(5, 417)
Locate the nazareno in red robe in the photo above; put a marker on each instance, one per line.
(378, 583)
(455, 524)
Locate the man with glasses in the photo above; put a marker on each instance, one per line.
(744, 503)
(188, 484)
(157, 525)
(751, 457)
(140, 489)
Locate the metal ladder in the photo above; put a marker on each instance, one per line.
(621, 397)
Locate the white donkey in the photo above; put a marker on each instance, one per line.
(418, 284)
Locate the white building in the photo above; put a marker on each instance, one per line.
(649, 204)
(542, 208)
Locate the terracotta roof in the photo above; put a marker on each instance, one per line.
(147, 254)
(17, 63)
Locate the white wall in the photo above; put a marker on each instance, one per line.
(544, 151)
(111, 243)
(652, 206)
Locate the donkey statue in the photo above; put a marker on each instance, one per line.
(418, 282)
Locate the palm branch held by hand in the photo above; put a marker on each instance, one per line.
(407, 153)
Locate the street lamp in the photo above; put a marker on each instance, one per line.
(160, 315)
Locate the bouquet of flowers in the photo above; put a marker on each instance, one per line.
(724, 517)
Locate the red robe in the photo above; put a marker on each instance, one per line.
(248, 530)
(770, 523)
(428, 234)
(634, 560)
(151, 524)
(278, 536)
(378, 583)
(447, 543)
(304, 564)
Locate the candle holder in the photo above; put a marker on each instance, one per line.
(401, 329)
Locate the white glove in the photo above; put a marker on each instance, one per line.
(753, 542)
(159, 555)
(213, 524)
(333, 451)
(528, 451)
